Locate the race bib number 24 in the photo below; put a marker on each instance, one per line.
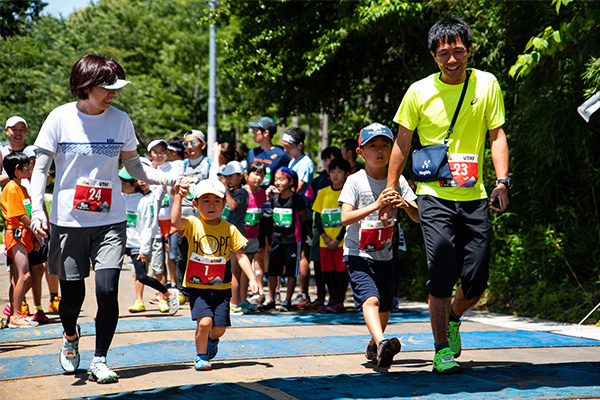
(93, 195)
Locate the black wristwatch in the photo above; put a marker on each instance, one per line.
(506, 181)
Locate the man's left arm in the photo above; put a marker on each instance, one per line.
(499, 149)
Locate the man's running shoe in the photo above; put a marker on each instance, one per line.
(7, 310)
(444, 363)
(233, 310)
(336, 308)
(257, 299)
(40, 317)
(212, 348)
(371, 353)
(163, 306)
(201, 363)
(138, 306)
(301, 300)
(21, 321)
(454, 338)
(69, 354)
(248, 307)
(173, 301)
(100, 372)
(155, 299)
(386, 350)
(286, 306)
(25, 308)
(268, 305)
(317, 304)
(53, 304)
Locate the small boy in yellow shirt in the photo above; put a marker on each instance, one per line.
(207, 275)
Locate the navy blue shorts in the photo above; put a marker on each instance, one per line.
(370, 278)
(210, 303)
(457, 244)
(284, 259)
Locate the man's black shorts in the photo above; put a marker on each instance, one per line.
(457, 243)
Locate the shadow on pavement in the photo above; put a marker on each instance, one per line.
(519, 381)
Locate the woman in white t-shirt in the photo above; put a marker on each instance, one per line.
(87, 221)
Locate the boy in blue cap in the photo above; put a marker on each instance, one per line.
(368, 248)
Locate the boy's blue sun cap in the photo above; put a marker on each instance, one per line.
(266, 123)
(373, 130)
(233, 167)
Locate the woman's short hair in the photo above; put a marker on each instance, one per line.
(93, 70)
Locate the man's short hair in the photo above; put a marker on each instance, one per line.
(331, 151)
(12, 161)
(93, 70)
(448, 30)
(294, 135)
(340, 163)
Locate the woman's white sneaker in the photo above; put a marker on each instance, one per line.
(100, 372)
(69, 354)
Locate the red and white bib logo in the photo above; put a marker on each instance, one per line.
(93, 195)
(464, 168)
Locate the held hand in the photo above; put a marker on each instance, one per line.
(384, 213)
(182, 187)
(388, 197)
(42, 231)
(499, 198)
(401, 203)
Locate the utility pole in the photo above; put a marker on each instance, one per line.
(212, 83)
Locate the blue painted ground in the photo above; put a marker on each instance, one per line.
(571, 380)
(184, 351)
(178, 323)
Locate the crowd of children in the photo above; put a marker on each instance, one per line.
(269, 218)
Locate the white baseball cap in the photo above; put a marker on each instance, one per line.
(12, 121)
(210, 186)
(117, 84)
(155, 143)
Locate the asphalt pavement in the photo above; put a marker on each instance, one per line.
(300, 355)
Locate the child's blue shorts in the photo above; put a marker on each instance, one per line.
(370, 278)
(210, 303)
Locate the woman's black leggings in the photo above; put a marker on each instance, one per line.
(107, 298)
(141, 274)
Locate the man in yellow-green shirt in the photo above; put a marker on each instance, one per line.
(454, 212)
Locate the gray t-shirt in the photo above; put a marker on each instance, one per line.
(368, 238)
(198, 169)
(237, 216)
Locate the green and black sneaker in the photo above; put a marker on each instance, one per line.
(454, 338)
(444, 364)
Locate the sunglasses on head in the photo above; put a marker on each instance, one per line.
(190, 144)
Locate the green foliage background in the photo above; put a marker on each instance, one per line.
(353, 60)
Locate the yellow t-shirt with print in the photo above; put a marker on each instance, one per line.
(327, 205)
(208, 261)
(428, 107)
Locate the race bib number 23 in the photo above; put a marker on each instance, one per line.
(464, 170)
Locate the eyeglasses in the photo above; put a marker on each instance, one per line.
(190, 144)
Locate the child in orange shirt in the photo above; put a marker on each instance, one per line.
(19, 240)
